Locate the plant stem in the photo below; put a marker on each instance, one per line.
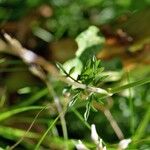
(81, 118)
(29, 128)
(49, 128)
(83, 86)
(132, 121)
(114, 124)
(60, 111)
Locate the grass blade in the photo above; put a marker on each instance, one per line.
(12, 112)
(34, 98)
(130, 85)
(142, 126)
(46, 132)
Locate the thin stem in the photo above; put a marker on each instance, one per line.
(110, 91)
(81, 118)
(60, 111)
(114, 124)
(86, 87)
(110, 118)
(50, 127)
(132, 122)
(29, 128)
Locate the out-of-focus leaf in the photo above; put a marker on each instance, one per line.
(89, 43)
(138, 45)
(89, 3)
(112, 75)
(42, 34)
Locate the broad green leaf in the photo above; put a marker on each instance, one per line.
(89, 43)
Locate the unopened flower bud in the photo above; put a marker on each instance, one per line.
(94, 135)
(123, 144)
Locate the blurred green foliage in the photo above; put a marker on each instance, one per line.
(71, 17)
(21, 94)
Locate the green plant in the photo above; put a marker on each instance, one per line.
(83, 82)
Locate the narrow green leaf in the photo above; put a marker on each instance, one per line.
(46, 132)
(142, 126)
(33, 98)
(133, 84)
(13, 133)
(12, 112)
(72, 70)
(81, 118)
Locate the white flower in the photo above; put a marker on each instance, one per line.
(94, 135)
(123, 144)
(81, 146)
